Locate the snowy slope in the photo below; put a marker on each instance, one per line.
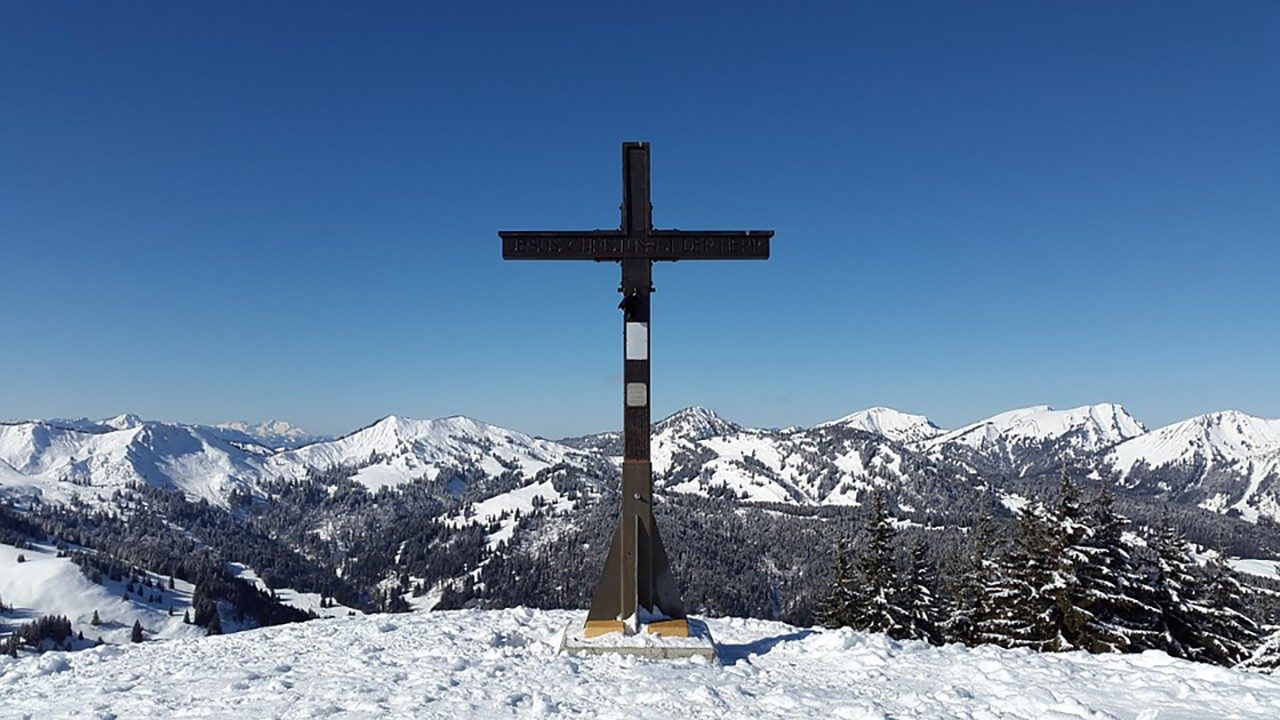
(61, 462)
(695, 451)
(289, 596)
(1038, 439)
(1098, 426)
(1225, 434)
(90, 459)
(1230, 459)
(396, 450)
(489, 664)
(49, 585)
(887, 422)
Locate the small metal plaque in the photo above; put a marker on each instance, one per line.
(637, 341)
(637, 395)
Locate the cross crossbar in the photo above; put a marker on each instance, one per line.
(658, 245)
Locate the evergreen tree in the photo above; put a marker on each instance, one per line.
(1172, 586)
(876, 605)
(920, 597)
(1018, 611)
(975, 571)
(96, 621)
(1226, 633)
(1069, 617)
(1086, 584)
(1266, 657)
(136, 635)
(1119, 590)
(836, 609)
(215, 625)
(1201, 612)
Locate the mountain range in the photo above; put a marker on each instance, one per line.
(1226, 462)
(272, 522)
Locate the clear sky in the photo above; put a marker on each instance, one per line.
(214, 211)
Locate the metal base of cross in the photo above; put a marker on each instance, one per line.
(671, 627)
(637, 586)
(670, 638)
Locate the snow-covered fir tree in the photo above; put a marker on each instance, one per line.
(1200, 613)
(1266, 656)
(919, 596)
(877, 602)
(975, 571)
(1227, 633)
(836, 607)
(1018, 609)
(1085, 582)
(1118, 587)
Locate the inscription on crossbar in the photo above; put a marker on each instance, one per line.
(615, 246)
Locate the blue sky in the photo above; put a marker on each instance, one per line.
(252, 210)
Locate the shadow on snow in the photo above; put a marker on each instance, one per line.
(731, 654)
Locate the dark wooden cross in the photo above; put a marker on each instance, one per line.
(637, 584)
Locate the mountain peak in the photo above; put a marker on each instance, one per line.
(1228, 431)
(697, 422)
(1096, 426)
(887, 422)
(274, 434)
(123, 421)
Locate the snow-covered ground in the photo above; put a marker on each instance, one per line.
(521, 499)
(1262, 568)
(493, 664)
(49, 585)
(289, 596)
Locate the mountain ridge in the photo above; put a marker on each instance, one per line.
(1225, 460)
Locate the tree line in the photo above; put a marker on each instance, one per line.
(1075, 575)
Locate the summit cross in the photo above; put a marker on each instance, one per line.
(637, 587)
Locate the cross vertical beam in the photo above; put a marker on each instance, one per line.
(637, 579)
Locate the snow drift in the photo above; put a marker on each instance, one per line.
(488, 664)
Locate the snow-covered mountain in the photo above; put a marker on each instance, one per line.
(504, 663)
(693, 423)
(273, 434)
(887, 422)
(397, 450)
(1223, 461)
(696, 451)
(1037, 439)
(59, 462)
(123, 421)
